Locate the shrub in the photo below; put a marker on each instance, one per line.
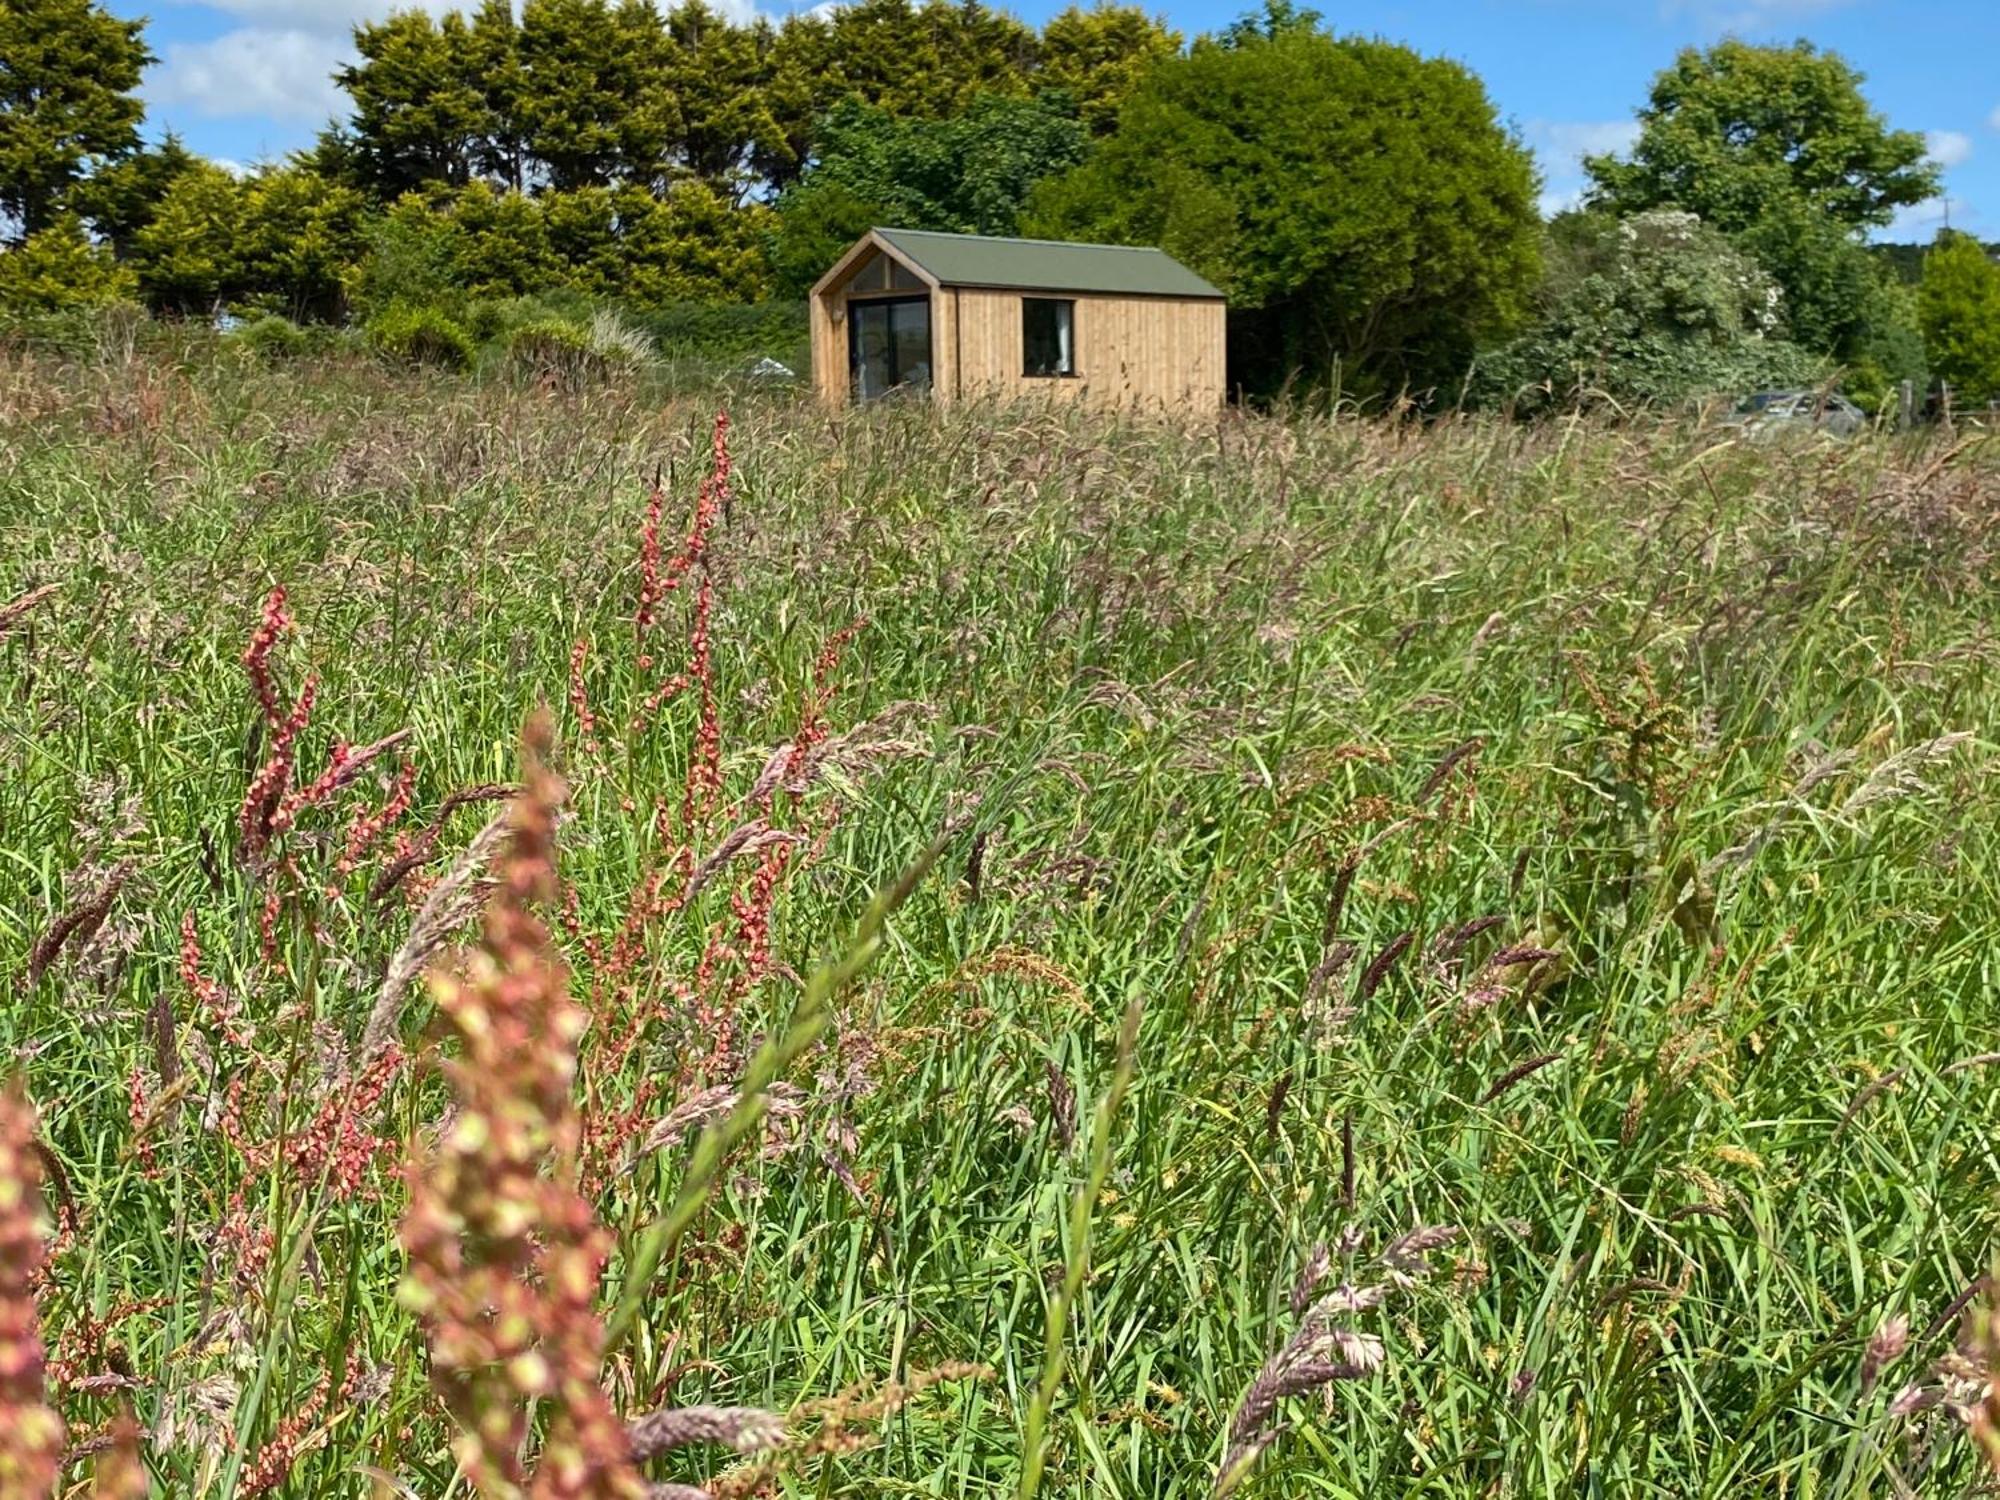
(59, 270)
(421, 335)
(271, 337)
(733, 331)
(568, 353)
(1655, 309)
(550, 349)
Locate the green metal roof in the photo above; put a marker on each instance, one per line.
(1047, 265)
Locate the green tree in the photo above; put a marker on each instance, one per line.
(716, 74)
(493, 55)
(1733, 131)
(970, 174)
(925, 60)
(188, 258)
(1657, 308)
(1959, 308)
(300, 236)
(68, 72)
(690, 245)
(586, 113)
(420, 109)
(1778, 148)
(1098, 56)
(119, 199)
(59, 269)
(1362, 207)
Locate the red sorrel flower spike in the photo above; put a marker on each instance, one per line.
(31, 1434)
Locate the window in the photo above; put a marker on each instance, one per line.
(1048, 336)
(888, 346)
(884, 274)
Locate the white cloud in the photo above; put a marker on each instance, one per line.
(323, 15)
(253, 71)
(1994, 118)
(1561, 146)
(1921, 221)
(1948, 148)
(1574, 140)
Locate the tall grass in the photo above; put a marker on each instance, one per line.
(1582, 838)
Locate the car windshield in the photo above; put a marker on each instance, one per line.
(1763, 400)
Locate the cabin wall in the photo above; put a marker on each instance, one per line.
(827, 316)
(829, 352)
(1131, 352)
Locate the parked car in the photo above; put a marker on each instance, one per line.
(1798, 411)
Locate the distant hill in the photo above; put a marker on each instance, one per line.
(1908, 260)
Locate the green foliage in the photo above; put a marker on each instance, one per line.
(442, 247)
(1656, 309)
(188, 258)
(413, 254)
(120, 198)
(551, 347)
(1886, 348)
(925, 60)
(814, 227)
(1740, 131)
(970, 174)
(271, 336)
(301, 235)
(564, 353)
(775, 329)
(1368, 216)
(69, 72)
(1959, 308)
(59, 269)
(421, 111)
(1620, 695)
(1778, 147)
(1098, 56)
(421, 336)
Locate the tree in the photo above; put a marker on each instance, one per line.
(1959, 307)
(68, 72)
(1098, 56)
(188, 257)
(924, 60)
(420, 111)
(118, 200)
(716, 75)
(58, 269)
(1731, 132)
(1362, 207)
(1653, 309)
(493, 56)
(586, 114)
(970, 174)
(299, 236)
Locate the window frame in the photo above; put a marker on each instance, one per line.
(899, 380)
(1060, 303)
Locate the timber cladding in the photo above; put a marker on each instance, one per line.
(1103, 326)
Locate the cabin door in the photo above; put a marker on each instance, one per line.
(889, 346)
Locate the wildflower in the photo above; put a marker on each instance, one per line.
(1885, 1347)
(121, 1467)
(32, 1449)
(77, 926)
(504, 1256)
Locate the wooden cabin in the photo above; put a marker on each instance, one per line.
(958, 316)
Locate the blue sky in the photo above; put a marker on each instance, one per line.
(247, 79)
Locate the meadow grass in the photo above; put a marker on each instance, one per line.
(1580, 839)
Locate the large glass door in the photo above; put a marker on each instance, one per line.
(889, 345)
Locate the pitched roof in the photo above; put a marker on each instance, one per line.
(1046, 265)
